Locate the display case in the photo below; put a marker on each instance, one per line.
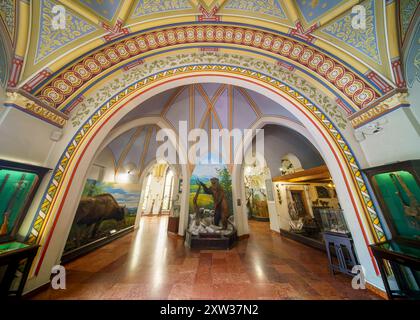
(18, 183)
(333, 221)
(404, 261)
(397, 190)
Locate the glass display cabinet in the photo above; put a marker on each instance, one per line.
(18, 184)
(397, 189)
(333, 221)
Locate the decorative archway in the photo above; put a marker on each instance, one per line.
(56, 210)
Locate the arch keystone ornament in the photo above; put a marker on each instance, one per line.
(55, 196)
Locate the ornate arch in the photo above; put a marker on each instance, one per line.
(58, 88)
(57, 189)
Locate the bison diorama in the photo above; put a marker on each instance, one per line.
(92, 211)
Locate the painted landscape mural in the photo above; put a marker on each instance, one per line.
(104, 209)
(210, 201)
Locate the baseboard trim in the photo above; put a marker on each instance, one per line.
(34, 292)
(377, 291)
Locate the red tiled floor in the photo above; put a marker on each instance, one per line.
(148, 264)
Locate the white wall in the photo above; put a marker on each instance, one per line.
(398, 141)
(24, 138)
(103, 167)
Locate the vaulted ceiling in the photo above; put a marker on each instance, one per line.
(41, 51)
(206, 106)
(88, 21)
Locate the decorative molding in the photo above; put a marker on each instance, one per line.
(343, 106)
(208, 15)
(398, 73)
(17, 65)
(44, 74)
(285, 65)
(289, 77)
(381, 107)
(377, 291)
(384, 86)
(76, 102)
(300, 32)
(133, 64)
(35, 108)
(350, 84)
(114, 32)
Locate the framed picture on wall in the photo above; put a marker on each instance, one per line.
(322, 192)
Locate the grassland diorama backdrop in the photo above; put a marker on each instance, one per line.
(204, 172)
(125, 194)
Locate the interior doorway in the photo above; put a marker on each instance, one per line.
(158, 190)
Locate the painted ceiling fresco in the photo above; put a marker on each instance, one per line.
(8, 15)
(147, 7)
(266, 7)
(364, 40)
(313, 10)
(412, 59)
(52, 39)
(82, 28)
(106, 9)
(207, 106)
(4, 64)
(92, 27)
(407, 9)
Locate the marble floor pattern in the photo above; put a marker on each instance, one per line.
(149, 264)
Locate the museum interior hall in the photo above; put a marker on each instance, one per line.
(212, 150)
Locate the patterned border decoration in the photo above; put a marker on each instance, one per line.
(353, 86)
(376, 110)
(44, 113)
(51, 194)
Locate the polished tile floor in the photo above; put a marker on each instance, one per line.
(149, 264)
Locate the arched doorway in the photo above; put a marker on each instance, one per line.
(158, 190)
(318, 129)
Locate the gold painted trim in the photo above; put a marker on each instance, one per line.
(35, 108)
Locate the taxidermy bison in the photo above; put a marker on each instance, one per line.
(93, 210)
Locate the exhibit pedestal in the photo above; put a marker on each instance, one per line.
(210, 241)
